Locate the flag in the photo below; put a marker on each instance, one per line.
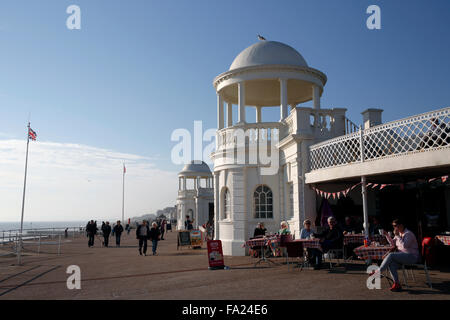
(124, 169)
(444, 178)
(383, 186)
(31, 134)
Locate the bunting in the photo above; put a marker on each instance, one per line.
(345, 192)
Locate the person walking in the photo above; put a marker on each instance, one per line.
(163, 228)
(106, 229)
(91, 230)
(154, 236)
(118, 229)
(143, 234)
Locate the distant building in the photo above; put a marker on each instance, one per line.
(195, 194)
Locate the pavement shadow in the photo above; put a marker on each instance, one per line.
(438, 288)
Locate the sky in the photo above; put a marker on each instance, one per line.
(115, 90)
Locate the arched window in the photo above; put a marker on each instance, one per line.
(263, 202)
(226, 204)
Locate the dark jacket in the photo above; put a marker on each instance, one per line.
(118, 230)
(106, 229)
(336, 236)
(259, 232)
(154, 234)
(91, 228)
(138, 231)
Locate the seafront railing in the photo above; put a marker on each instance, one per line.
(420, 133)
(37, 237)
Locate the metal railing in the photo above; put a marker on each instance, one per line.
(420, 133)
(227, 137)
(36, 238)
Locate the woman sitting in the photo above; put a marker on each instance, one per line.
(284, 228)
(260, 231)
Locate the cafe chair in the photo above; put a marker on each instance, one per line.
(422, 265)
(335, 253)
(284, 239)
(294, 250)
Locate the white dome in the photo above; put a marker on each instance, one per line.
(195, 168)
(268, 52)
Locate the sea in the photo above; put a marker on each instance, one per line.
(4, 226)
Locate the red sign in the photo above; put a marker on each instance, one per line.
(215, 254)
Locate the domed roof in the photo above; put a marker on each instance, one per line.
(268, 52)
(196, 168)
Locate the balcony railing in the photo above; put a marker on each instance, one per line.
(424, 132)
(266, 131)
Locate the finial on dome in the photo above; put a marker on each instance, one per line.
(260, 37)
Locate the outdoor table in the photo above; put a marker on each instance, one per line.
(359, 238)
(372, 252)
(310, 243)
(445, 240)
(261, 242)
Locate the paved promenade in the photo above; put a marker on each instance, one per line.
(120, 273)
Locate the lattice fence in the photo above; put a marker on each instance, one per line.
(420, 133)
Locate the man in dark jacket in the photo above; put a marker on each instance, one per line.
(331, 238)
(118, 229)
(154, 236)
(106, 229)
(91, 230)
(143, 234)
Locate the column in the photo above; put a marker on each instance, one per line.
(219, 111)
(241, 102)
(184, 183)
(365, 209)
(216, 206)
(229, 114)
(283, 99)
(316, 97)
(258, 113)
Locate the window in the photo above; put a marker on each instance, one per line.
(226, 204)
(291, 199)
(263, 202)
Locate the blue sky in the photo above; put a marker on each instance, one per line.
(137, 70)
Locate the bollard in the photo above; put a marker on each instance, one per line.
(59, 245)
(39, 246)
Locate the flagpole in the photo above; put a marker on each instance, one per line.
(123, 192)
(23, 198)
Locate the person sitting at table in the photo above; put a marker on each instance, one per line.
(306, 231)
(331, 238)
(284, 228)
(405, 243)
(375, 226)
(260, 231)
(313, 253)
(349, 226)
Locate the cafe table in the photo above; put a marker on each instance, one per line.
(310, 243)
(261, 243)
(372, 252)
(359, 238)
(444, 239)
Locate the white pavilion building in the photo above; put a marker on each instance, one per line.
(262, 169)
(267, 74)
(195, 194)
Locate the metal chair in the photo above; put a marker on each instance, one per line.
(335, 252)
(417, 265)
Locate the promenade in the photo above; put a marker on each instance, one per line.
(121, 273)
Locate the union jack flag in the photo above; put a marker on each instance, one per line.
(31, 134)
